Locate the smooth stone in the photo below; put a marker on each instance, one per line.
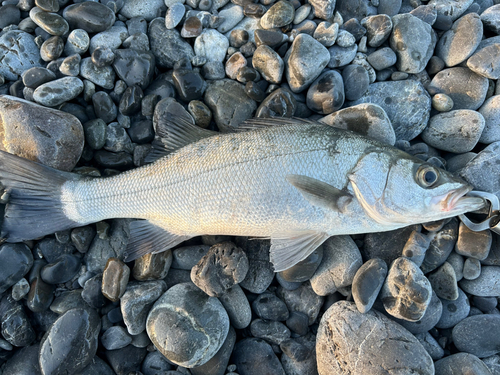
(70, 343)
(378, 29)
(358, 9)
(413, 53)
(145, 9)
(152, 266)
(61, 271)
(232, 15)
(187, 257)
(229, 103)
(279, 103)
(367, 283)
(174, 15)
(456, 131)
(486, 285)
(234, 64)
(97, 366)
(115, 337)
(473, 244)
(15, 261)
(485, 304)
(130, 102)
(201, 329)
(61, 150)
(52, 49)
(20, 53)
(9, 15)
(137, 301)
(472, 269)
(491, 18)
(303, 300)
(237, 307)
(326, 93)
(269, 307)
(20, 289)
(406, 103)
(219, 362)
(105, 109)
(478, 335)
(126, 360)
(103, 77)
(68, 300)
(16, 327)
(452, 8)
(95, 135)
(134, 67)
(268, 63)
(466, 88)
(454, 311)
(306, 59)
(305, 269)
(345, 39)
(459, 43)
(54, 93)
(440, 247)
(323, 9)
(139, 41)
(356, 81)
(255, 356)
(52, 23)
(479, 170)
(212, 45)
(111, 39)
(349, 341)
(189, 84)
(260, 273)
(444, 282)
(352, 25)
(464, 363)
(90, 16)
(24, 361)
(273, 332)
(457, 262)
(491, 113)
(326, 33)
(167, 46)
(416, 247)
(92, 292)
(70, 66)
(341, 261)
(78, 42)
(279, 15)
(115, 279)
(431, 345)
(155, 362)
(37, 76)
(117, 139)
(406, 292)
(442, 102)
(382, 58)
(340, 56)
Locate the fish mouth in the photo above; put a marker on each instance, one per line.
(457, 202)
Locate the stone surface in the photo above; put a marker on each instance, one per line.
(367, 283)
(146, 9)
(15, 324)
(54, 93)
(104, 77)
(20, 53)
(464, 363)
(351, 342)
(326, 93)
(90, 16)
(444, 282)
(491, 113)
(252, 355)
(478, 335)
(454, 311)
(115, 279)
(134, 67)
(486, 285)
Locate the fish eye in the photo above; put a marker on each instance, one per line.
(427, 176)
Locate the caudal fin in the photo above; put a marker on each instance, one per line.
(34, 207)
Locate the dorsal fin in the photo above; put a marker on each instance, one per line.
(261, 123)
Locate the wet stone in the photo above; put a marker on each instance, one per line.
(167, 45)
(37, 76)
(279, 103)
(378, 29)
(406, 292)
(269, 307)
(68, 300)
(461, 363)
(382, 58)
(78, 42)
(20, 289)
(307, 58)
(115, 337)
(114, 280)
(473, 244)
(253, 355)
(137, 301)
(130, 102)
(367, 283)
(20, 53)
(15, 324)
(222, 267)
(199, 337)
(413, 53)
(268, 63)
(52, 23)
(103, 77)
(491, 113)
(189, 84)
(472, 269)
(102, 56)
(70, 66)
(491, 19)
(305, 269)
(92, 292)
(95, 135)
(15, 262)
(303, 299)
(152, 266)
(201, 113)
(61, 271)
(461, 128)
(126, 360)
(90, 16)
(52, 49)
(279, 15)
(444, 282)
(454, 311)
(345, 331)
(104, 107)
(117, 139)
(71, 342)
(273, 332)
(326, 33)
(478, 335)
(326, 93)
(232, 15)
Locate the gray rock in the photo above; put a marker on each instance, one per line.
(406, 103)
(472, 269)
(15, 262)
(97, 366)
(358, 9)
(326, 33)
(187, 326)
(24, 361)
(303, 299)
(442, 102)
(187, 257)
(457, 262)
(459, 43)
(323, 8)
(255, 356)
(229, 103)
(486, 62)
(104, 77)
(37, 76)
(70, 343)
(444, 282)
(466, 88)
(167, 45)
(341, 261)
(18, 118)
(9, 15)
(269, 307)
(491, 113)
(486, 285)
(147, 9)
(70, 66)
(237, 307)
(416, 247)
(174, 15)
(279, 103)
(114, 280)
(212, 45)
(382, 58)
(451, 8)
(406, 292)
(78, 42)
(340, 56)
(54, 93)
(16, 328)
(378, 29)
(461, 363)
(305, 269)
(326, 93)
(67, 301)
(137, 301)
(491, 18)
(52, 23)
(260, 273)
(126, 360)
(219, 362)
(387, 246)
(279, 15)
(349, 341)
(413, 53)
(115, 337)
(455, 131)
(19, 53)
(152, 266)
(155, 362)
(299, 355)
(356, 81)
(232, 15)
(345, 39)
(268, 63)
(112, 38)
(442, 244)
(473, 244)
(273, 332)
(454, 311)
(431, 345)
(90, 16)
(134, 67)
(367, 283)
(478, 335)
(306, 59)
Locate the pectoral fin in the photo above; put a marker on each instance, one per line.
(146, 237)
(286, 251)
(319, 193)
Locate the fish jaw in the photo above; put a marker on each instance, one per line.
(457, 202)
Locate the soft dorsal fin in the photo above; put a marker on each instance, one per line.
(262, 123)
(146, 237)
(319, 193)
(288, 250)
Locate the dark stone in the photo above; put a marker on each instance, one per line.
(130, 102)
(141, 131)
(92, 292)
(90, 16)
(15, 324)
(269, 307)
(134, 67)
(478, 335)
(279, 103)
(62, 270)
(189, 84)
(255, 356)
(126, 360)
(37, 76)
(15, 262)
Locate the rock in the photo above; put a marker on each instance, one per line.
(90, 16)
(279, 15)
(54, 93)
(137, 301)
(269, 307)
(387, 246)
(326, 93)
(326, 33)
(306, 59)
(341, 261)
(229, 103)
(451, 8)
(442, 102)
(220, 269)
(349, 341)
(478, 335)
(378, 29)
(24, 361)
(16, 327)
(78, 42)
(491, 18)
(367, 283)
(15, 262)
(115, 280)
(10, 15)
(382, 58)
(413, 53)
(365, 119)
(237, 307)
(110, 39)
(232, 15)
(340, 56)
(461, 363)
(52, 23)
(455, 131)
(441, 246)
(472, 269)
(303, 299)
(104, 77)
(279, 103)
(152, 266)
(268, 63)
(62, 270)
(345, 38)
(406, 292)
(491, 113)
(36, 76)
(174, 15)
(212, 45)
(167, 45)
(115, 337)
(60, 150)
(358, 9)
(70, 343)
(146, 9)
(97, 366)
(255, 356)
(485, 62)
(70, 66)
(444, 282)
(356, 81)
(192, 341)
(406, 103)
(305, 269)
(464, 87)
(189, 84)
(126, 360)
(473, 244)
(459, 43)
(134, 67)
(20, 53)
(106, 110)
(486, 285)
(416, 247)
(454, 311)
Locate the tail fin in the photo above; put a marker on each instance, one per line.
(34, 208)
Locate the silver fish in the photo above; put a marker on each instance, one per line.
(293, 181)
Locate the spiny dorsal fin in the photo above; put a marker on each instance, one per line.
(262, 123)
(319, 193)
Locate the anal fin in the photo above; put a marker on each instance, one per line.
(146, 237)
(288, 250)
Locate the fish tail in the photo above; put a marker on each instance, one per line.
(35, 206)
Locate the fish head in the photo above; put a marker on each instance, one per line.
(397, 189)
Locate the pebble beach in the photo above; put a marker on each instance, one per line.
(84, 87)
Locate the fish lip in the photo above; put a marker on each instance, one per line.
(457, 201)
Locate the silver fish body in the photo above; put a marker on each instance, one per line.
(296, 183)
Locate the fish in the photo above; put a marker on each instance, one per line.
(294, 181)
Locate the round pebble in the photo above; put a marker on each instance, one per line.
(367, 283)
(478, 335)
(93, 17)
